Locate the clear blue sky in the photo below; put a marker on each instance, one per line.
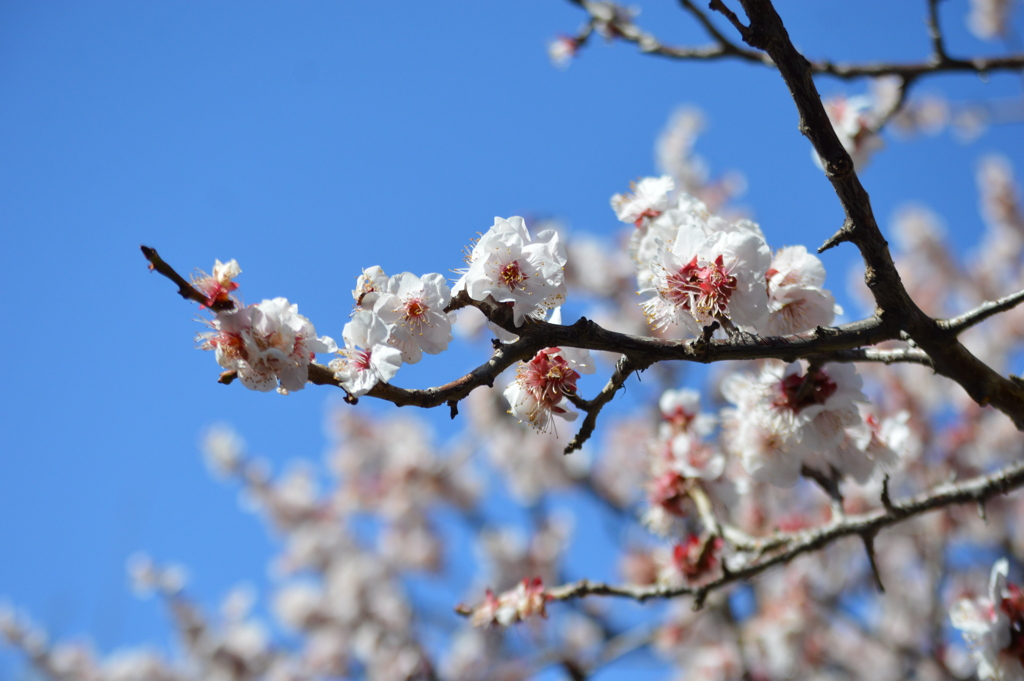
(309, 140)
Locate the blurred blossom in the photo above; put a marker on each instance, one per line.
(856, 121)
(561, 51)
(223, 449)
(989, 19)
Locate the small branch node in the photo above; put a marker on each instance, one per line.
(843, 234)
(869, 547)
(699, 597)
(886, 499)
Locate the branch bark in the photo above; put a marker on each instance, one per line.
(894, 305)
(865, 525)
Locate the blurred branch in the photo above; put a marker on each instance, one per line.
(958, 325)
(939, 55)
(866, 526)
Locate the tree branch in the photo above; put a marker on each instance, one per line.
(939, 55)
(185, 289)
(958, 325)
(950, 358)
(624, 368)
(975, 491)
(893, 356)
(641, 351)
(908, 71)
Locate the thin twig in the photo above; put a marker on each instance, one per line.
(939, 55)
(893, 356)
(958, 325)
(185, 289)
(908, 71)
(719, 6)
(975, 490)
(713, 31)
(624, 368)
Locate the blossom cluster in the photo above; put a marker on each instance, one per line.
(698, 268)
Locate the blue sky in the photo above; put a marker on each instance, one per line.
(309, 140)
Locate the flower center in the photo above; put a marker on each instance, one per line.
(415, 309)
(548, 377)
(361, 360)
(230, 344)
(512, 275)
(802, 391)
(703, 290)
(680, 418)
(1012, 606)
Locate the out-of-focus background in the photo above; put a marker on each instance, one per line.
(308, 141)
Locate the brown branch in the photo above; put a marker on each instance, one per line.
(709, 27)
(624, 368)
(869, 547)
(537, 335)
(908, 71)
(642, 352)
(958, 325)
(828, 482)
(939, 55)
(893, 356)
(974, 491)
(950, 358)
(185, 289)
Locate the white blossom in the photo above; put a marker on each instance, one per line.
(366, 358)
(267, 344)
(990, 19)
(541, 389)
(796, 300)
(413, 310)
(855, 120)
(785, 419)
(710, 271)
(650, 197)
(370, 284)
(510, 267)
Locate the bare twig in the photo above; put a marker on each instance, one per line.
(709, 27)
(939, 55)
(719, 6)
(958, 325)
(624, 368)
(185, 289)
(869, 547)
(907, 71)
(829, 483)
(902, 90)
(893, 356)
(976, 490)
